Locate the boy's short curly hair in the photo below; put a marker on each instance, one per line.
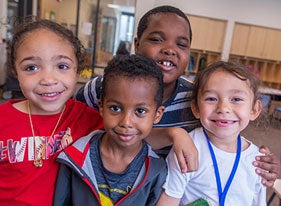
(143, 23)
(31, 25)
(134, 67)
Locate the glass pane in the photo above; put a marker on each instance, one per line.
(111, 26)
(62, 12)
(11, 16)
(88, 14)
(102, 26)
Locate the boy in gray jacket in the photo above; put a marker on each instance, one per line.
(116, 166)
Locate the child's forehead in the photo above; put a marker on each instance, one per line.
(223, 76)
(167, 16)
(120, 78)
(131, 85)
(128, 82)
(168, 23)
(30, 35)
(47, 34)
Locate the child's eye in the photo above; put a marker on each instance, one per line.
(210, 99)
(183, 45)
(237, 99)
(140, 111)
(63, 67)
(155, 39)
(31, 68)
(115, 108)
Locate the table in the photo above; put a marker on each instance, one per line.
(274, 93)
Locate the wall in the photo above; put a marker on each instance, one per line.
(259, 12)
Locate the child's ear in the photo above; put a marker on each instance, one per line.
(14, 72)
(159, 114)
(195, 109)
(256, 110)
(136, 44)
(100, 107)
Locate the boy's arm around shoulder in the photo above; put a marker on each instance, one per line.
(183, 145)
(268, 166)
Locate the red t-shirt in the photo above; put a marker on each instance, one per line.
(21, 183)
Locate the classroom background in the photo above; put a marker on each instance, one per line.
(244, 31)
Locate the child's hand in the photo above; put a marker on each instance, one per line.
(185, 150)
(268, 166)
(183, 145)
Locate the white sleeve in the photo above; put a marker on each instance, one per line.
(260, 197)
(176, 181)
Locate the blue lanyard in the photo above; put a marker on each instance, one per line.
(222, 194)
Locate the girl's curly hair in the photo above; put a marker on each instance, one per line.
(30, 25)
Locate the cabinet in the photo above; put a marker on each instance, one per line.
(208, 33)
(239, 39)
(255, 41)
(272, 48)
(259, 48)
(207, 42)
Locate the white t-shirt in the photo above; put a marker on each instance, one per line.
(245, 189)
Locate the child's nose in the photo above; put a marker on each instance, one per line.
(48, 77)
(126, 120)
(223, 107)
(168, 49)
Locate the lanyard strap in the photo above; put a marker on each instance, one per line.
(222, 194)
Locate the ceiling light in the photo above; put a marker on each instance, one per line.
(114, 6)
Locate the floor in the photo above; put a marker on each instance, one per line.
(263, 134)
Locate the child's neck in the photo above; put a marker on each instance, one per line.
(169, 90)
(116, 158)
(228, 144)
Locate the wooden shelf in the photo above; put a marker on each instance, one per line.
(199, 59)
(268, 71)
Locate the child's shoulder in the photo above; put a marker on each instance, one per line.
(8, 106)
(252, 149)
(80, 111)
(78, 105)
(9, 113)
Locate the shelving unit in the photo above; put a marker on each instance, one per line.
(199, 59)
(268, 71)
(259, 48)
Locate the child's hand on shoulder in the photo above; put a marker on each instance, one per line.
(185, 149)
